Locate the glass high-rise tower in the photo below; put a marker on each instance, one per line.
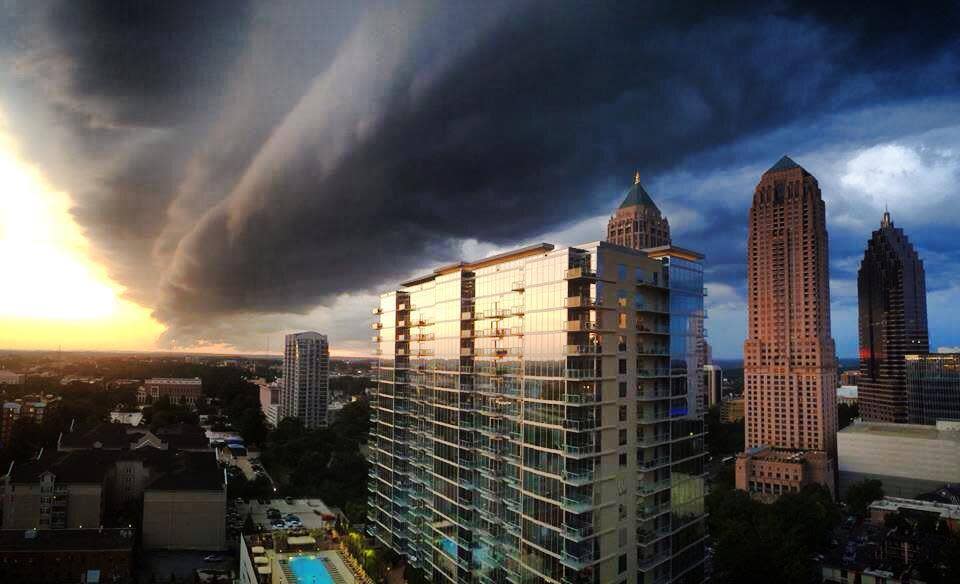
(891, 288)
(536, 418)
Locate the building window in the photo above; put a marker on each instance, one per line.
(623, 437)
(623, 389)
(622, 367)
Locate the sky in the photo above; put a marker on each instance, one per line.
(210, 175)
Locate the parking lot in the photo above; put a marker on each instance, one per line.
(311, 512)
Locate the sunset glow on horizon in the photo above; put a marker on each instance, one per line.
(55, 294)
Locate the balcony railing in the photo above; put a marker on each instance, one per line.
(583, 302)
(652, 329)
(579, 449)
(578, 272)
(578, 477)
(584, 349)
(583, 325)
(583, 374)
(653, 307)
(654, 350)
(577, 531)
(580, 398)
(578, 560)
(655, 463)
(518, 286)
(377, 325)
(577, 504)
(650, 487)
(650, 511)
(652, 373)
(580, 425)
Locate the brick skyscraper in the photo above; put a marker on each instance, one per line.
(638, 223)
(893, 321)
(790, 366)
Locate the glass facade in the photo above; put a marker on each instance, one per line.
(536, 419)
(933, 388)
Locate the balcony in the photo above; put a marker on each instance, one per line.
(376, 338)
(653, 394)
(652, 373)
(647, 562)
(645, 513)
(583, 325)
(466, 315)
(583, 374)
(653, 308)
(576, 504)
(518, 286)
(376, 326)
(466, 334)
(403, 324)
(578, 450)
(651, 283)
(577, 532)
(577, 561)
(655, 440)
(403, 306)
(424, 352)
(578, 272)
(499, 313)
(584, 349)
(583, 302)
(377, 311)
(423, 337)
(580, 398)
(422, 322)
(650, 417)
(466, 351)
(648, 536)
(653, 464)
(653, 351)
(649, 488)
(580, 477)
(580, 425)
(648, 329)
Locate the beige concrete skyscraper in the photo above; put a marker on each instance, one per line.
(789, 357)
(638, 223)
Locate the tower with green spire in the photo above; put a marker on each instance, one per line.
(637, 223)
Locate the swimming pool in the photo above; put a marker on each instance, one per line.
(310, 570)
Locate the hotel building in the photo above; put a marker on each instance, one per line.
(933, 388)
(537, 418)
(790, 369)
(892, 296)
(306, 379)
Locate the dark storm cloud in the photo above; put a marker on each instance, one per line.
(312, 150)
(149, 62)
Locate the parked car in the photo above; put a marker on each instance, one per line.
(213, 558)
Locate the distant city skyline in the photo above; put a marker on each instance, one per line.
(196, 196)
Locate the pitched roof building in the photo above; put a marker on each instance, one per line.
(891, 288)
(638, 223)
(789, 356)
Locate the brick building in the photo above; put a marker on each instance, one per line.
(180, 391)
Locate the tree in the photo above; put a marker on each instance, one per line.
(861, 494)
(769, 543)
